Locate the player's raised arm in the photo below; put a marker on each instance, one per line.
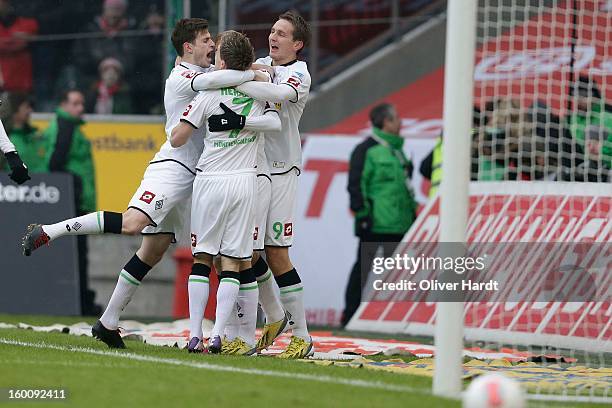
(263, 91)
(221, 79)
(192, 118)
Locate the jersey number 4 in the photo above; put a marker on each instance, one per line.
(248, 104)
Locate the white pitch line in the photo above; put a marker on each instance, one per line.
(215, 367)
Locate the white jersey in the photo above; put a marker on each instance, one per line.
(230, 151)
(284, 149)
(177, 96)
(5, 143)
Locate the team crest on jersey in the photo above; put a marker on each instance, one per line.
(288, 230)
(278, 105)
(256, 234)
(147, 197)
(194, 240)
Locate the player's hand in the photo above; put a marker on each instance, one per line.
(19, 171)
(262, 67)
(229, 120)
(363, 224)
(262, 76)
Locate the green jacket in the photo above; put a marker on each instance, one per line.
(69, 151)
(598, 116)
(378, 175)
(32, 148)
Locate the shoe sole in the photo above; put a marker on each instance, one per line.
(27, 237)
(259, 349)
(98, 336)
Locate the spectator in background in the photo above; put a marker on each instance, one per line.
(590, 111)
(109, 95)
(147, 77)
(111, 24)
(596, 166)
(382, 200)
(497, 142)
(28, 141)
(15, 55)
(69, 151)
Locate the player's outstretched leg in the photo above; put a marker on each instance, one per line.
(246, 308)
(148, 255)
(292, 298)
(276, 317)
(100, 222)
(198, 287)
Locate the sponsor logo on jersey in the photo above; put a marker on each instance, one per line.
(294, 81)
(147, 197)
(288, 229)
(76, 226)
(194, 240)
(159, 204)
(278, 164)
(30, 194)
(256, 234)
(278, 105)
(68, 228)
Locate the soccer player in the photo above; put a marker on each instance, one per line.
(223, 191)
(19, 171)
(288, 37)
(160, 205)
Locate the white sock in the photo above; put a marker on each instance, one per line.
(268, 298)
(124, 290)
(233, 325)
(293, 302)
(92, 223)
(198, 287)
(247, 312)
(226, 299)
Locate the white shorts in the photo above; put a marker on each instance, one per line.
(279, 228)
(222, 214)
(262, 205)
(164, 195)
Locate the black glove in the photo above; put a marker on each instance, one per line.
(19, 172)
(363, 225)
(229, 120)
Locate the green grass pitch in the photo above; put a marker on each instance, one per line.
(151, 376)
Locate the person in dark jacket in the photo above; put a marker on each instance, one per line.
(381, 198)
(69, 151)
(28, 141)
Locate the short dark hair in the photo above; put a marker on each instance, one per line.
(186, 30)
(236, 50)
(379, 113)
(66, 94)
(301, 29)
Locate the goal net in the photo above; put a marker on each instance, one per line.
(539, 206)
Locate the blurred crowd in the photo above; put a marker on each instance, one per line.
(512, 142)
(113, 51)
